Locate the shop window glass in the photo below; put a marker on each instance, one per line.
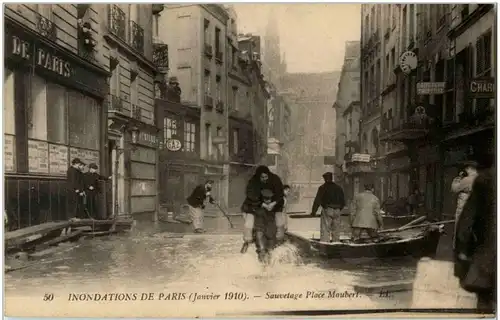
(37, 112)
(9, 124)
(57, 110)
(83, 120)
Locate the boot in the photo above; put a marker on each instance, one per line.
(244, 248)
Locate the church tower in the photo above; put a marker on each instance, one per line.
(273, 66)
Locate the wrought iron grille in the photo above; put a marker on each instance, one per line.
(115, 103)
(46, 27)
(117, 22)
(220, 107)
(136, 37)
(136, 112)
(160, 56)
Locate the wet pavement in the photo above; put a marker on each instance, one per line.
(157, 259)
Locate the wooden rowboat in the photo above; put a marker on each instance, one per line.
(418, 244)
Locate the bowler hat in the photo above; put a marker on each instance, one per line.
(76, 161)
(93, 166)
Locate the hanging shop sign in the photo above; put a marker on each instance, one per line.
(429, 88)
(173, 145)
(482, 88)
(408, 62)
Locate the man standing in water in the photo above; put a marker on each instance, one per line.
(76, 189)
(196, 204)
(264, 200)
(330, 197)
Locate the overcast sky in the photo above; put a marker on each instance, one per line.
(312, 35)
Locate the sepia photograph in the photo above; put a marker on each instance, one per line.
(249, 159)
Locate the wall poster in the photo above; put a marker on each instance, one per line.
(38, 156)
(9, 153)
(58, 156)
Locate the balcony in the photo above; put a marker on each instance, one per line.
(160, 57)
(117, 22)
(157, 8)
(218, 57)
(136, 112)
(46, 27)
(136, 37)
(219, 107)
(387, 32)
(417, 127)
(115, 103)
(208, 50)
(208, 102)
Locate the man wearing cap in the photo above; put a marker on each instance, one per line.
(91, 181)
(76, 189)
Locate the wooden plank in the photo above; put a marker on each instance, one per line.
(17, 237)
(60, 239)
(90, 222)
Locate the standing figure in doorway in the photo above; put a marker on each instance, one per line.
(196, 204)
(330, 197)
(366, 215)
(76, 189)
(91, 181)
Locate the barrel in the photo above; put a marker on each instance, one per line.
(435, 286)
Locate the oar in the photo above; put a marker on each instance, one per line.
(418, 220)
(225, 215)
(417, 226)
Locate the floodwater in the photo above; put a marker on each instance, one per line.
(145, 268)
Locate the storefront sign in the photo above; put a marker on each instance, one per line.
(23, 46)
(360, 157)
(42, 58)
(148, 139)
(58, 156)
(173, 145)
(482, 88)
(38, 156)
(9, 152)
(428, 88)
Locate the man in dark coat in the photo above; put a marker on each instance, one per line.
(475, 242)
(92, 189)
(196, 204)
(76, 189)
(330, 197)
(260, 208)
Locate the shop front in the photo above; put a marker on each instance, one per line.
(53, 112)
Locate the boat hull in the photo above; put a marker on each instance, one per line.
(425, 245)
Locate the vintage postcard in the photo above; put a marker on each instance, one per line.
(221, 160)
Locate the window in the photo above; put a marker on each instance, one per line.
(115, 81)
(234, 98)
(235, 57)
(208, 137)
(393, 16)
(220, 146)
(218, 94)
(37, 114)
(217, 41)
(388, 68)
(483, 54)
(169, 129)
(57, 101)
(189, 136)
(9, 125)
(208, 83)
(207, 31)
(236, 136)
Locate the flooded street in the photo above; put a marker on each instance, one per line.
(155, 260)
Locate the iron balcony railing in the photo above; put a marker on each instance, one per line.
(117, 22)
(208, 49)
(136, 112)
(209, 102)
(136, 37)
(46, 27)
(160, 57)
(219, 107)
(115, 103)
